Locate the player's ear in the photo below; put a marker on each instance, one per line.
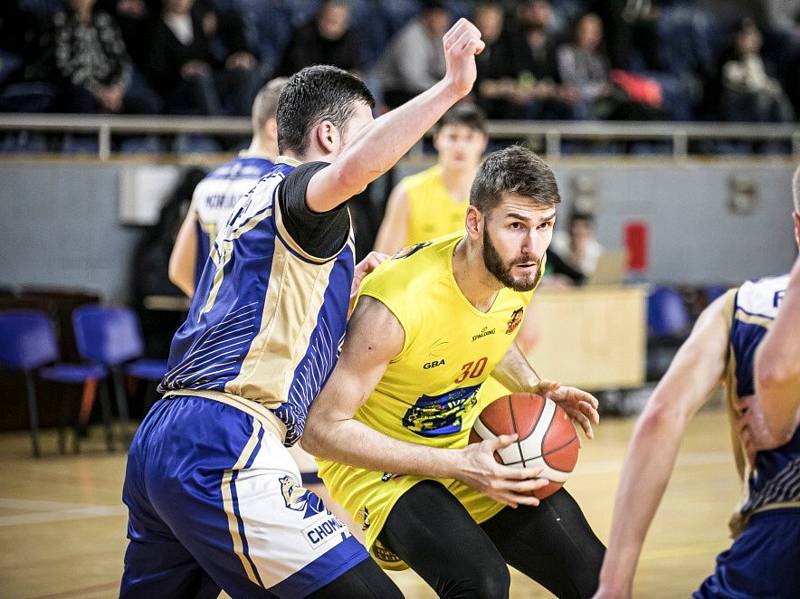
(327, 136)
(474, 223)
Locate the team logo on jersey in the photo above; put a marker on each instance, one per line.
(363, 515)
(441, 414)
(514, 321)
(410, 250)
(300, 499)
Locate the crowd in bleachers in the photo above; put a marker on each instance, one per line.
(544, 59)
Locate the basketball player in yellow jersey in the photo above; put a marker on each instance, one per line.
(434, 202)
(429, 327)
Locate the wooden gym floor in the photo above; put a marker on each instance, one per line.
(62, 524)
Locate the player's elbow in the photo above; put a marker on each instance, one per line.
(776, 373)
(313, 439)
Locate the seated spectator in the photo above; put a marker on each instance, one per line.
(574, 253)
(92, 64)
(584, 65)
(327, 39)
(414, 60)
(539, 92)
(748, 92)
(133, 17)
(184, 68)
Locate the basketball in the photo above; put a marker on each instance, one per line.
(546, 436)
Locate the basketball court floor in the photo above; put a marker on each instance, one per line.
(62, 524)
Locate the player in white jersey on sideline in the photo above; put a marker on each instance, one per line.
(217, 193)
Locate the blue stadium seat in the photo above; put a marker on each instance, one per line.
(29, 345)
(667, 315)
(112, 336)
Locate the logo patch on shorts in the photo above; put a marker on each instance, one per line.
(322, 533)
(300, 499)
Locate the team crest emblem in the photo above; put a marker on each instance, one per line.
(513, 323)
(299, 499)
(410, 250)
(363, 515)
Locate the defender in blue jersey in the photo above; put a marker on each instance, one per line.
(215, 196)
(215, 501)
(764, 559)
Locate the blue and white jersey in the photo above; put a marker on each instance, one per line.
(268, 318)
(217, 193)
(774, 479)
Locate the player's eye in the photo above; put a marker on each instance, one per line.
(516, 226)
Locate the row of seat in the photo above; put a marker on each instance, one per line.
(109, 340)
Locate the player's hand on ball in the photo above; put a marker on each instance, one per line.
(461, 44)
(580, 405)
(511, 486)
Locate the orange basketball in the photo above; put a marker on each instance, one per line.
(546, 436)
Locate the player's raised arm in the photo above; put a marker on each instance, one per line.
(374, 338)
(694, 373)
(381, 144)
(777, 365)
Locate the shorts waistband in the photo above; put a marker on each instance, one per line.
(264, 415)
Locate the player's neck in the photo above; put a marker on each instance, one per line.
(263, 148)
(475, 282)
(458, 181)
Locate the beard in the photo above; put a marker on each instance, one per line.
(503, 271)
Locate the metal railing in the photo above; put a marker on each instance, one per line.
(548, 135)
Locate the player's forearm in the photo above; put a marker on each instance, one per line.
(351, 442)
(383, 143)
(515, 372)
(777, 365)
(648, 464)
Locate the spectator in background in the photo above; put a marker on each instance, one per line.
(577, 248)
(414, 60)
(583, 64)
(748, 92)
(134, 18)
(327, 39)
(185, 69)
(494, 81)
(539, 93)
(92, 63)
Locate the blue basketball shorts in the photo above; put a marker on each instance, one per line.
(215, 502)
(763, 562)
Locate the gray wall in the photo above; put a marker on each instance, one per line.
(60, 223)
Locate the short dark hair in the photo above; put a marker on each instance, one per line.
(514, 170)
(465, 114)
(579, 216)
(315, 94)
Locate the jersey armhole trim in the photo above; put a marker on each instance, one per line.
(285, 237)
(406, 340)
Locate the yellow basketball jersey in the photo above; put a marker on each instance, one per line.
(429, 392)
(432, 212)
